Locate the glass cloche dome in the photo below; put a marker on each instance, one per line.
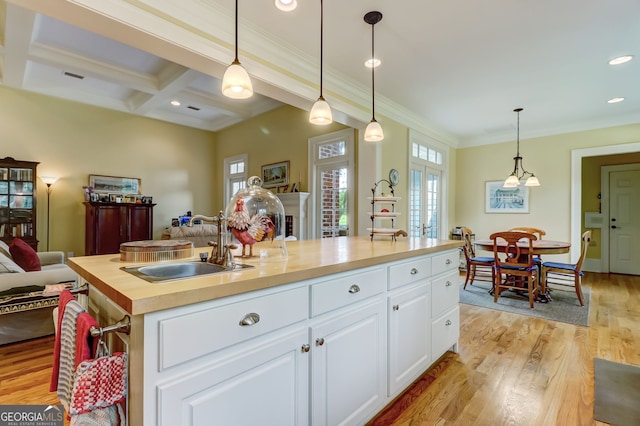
(255, 221)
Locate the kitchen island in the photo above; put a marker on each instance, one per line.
(329, 336)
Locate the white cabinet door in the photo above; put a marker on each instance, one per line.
(259, 384)
(409, 336)
(348, 365)
(445, 333)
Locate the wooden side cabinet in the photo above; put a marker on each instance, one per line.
(18, 201)
(110, 224)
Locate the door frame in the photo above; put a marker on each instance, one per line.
(576, 188)
(604, 190)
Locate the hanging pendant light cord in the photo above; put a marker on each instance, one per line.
(236, 58)
(321, 44)
(373, 79)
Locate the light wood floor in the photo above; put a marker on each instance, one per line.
(511, 369)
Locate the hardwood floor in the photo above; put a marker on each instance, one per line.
(511, 369)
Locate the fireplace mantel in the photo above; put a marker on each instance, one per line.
(295, 211)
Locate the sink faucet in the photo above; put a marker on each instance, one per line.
(221, 253)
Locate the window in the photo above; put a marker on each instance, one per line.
(331, 165)
(426, 191)
(235, 175)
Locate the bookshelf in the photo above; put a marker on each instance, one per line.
(18, 201)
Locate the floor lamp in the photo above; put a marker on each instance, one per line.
(48, 180)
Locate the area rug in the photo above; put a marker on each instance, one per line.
(564, 306)
(617, 393)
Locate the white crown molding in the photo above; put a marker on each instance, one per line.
(199, 35)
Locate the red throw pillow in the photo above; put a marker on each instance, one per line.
(24, 255)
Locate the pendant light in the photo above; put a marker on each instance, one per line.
(321, 111)
(516, 176)
(373, 132)
(236, 83)
(286, 5)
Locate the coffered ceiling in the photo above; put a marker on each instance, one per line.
(454, 70)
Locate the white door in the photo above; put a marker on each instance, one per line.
(624, 226)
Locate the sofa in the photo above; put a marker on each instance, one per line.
(28, 297)
(200, 235)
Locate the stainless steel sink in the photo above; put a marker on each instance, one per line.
(175, 270)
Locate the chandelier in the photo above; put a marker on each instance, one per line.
(519, 171)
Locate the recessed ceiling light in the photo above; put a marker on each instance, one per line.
(175, 103)
(372, 63)
(615, 100)
(620, 60)
(286, 5)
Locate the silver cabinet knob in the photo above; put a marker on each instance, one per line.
(414, 271)
(448, 284)
(354, 289)
(448, 262)
(448, 322)
(396, 307)
(250, 319)
(306, 348)
(319, 341)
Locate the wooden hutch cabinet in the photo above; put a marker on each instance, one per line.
(18, 201)
(110, 224)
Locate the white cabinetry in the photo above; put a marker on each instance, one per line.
(445, 313)
(327, 351)
(409, 335)
(348, 377)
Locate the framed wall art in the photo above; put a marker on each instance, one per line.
(275, 175)
(506, 200)
(114, 184)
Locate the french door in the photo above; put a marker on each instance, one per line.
(425, 199)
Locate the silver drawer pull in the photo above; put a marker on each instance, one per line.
(414, 271)
(250, 319)
(448, 284)
(448, 262)
(306, 348)
(319, 341)
(354, 289)
(396, 307)
(448, 322)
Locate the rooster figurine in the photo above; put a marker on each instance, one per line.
(248, 229)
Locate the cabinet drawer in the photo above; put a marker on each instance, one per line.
(409, 272)
(260, 315)
(346, 289)
(445, 262)
(446, 293)
(445, 332)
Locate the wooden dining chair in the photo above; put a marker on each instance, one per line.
(515, 268)
(557, 275)
(479, 268)
(539, 233)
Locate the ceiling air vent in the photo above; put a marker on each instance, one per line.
(193, 108)
(70, 74)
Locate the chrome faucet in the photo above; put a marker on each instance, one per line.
(221, 253)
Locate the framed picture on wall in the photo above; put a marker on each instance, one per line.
(275, 175)
(111, 184)
(506, 200)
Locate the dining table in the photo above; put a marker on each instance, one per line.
(538, 247)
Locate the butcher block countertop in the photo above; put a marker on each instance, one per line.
(307, 259)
